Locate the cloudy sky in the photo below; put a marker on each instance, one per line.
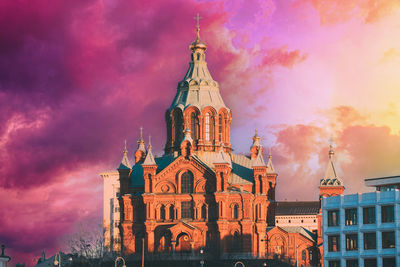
(78, 77)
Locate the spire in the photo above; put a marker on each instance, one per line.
(125, 164)
(331, 178)
(270, 167)
(256, 147)
(259, 160)
(256, 139)
(149, 160)
(140, 142)
(222, 157)
(198, 44)
(187, 136)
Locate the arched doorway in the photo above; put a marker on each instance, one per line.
(183, 243)
(164, 242)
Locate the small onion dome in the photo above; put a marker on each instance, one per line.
(198, 43)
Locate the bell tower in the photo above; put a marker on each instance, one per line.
(198, 106)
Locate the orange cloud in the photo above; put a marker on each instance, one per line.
(281, 56)
(342, 10)
(362, 150)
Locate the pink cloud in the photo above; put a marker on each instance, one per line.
(338, 11)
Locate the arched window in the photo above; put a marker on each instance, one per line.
(235, 212)
(204, 212)
(207, 126)
(193, 125)
(220, 127)
(171, 212)
(187, 182)
(178, 125)
(162, 212)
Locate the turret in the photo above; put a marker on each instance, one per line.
(199, 105)
(260, 173)
(223, 168)
(187, 144)
(140, 152)
(149, 169)
(256, 146)
(331, 184)
(124, 170)
(271, 177)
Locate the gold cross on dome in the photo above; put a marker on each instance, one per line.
(198, 18)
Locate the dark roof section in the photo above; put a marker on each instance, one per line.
(297, 207)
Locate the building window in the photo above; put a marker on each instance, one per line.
(187, 210)
(193, 125)
(204, 212)
(207, 126)
(333, 218)
(334, 243)
(162, 212)
(369, 241)
(352, 242)
(351, 216)
(235, 212)
(220, 127)
(388, 188)
(334, 263)
(370, 263)
(369, 215)
(187, 182)
(389, 262)
(388, 240)
(352, 263)
(387, 213)
(116, 223)
(171, 212)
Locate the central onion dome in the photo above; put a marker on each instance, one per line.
(198, 106)
(198, 43)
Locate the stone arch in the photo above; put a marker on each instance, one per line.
(178, 177)
(278, 245)
(209, 123)
(193, 82)
(163, 240)
(192, 121)
(200, 186)
(183, 242)
(177, 126)
(235, 210)
(165, 187)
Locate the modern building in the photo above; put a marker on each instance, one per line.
(363, 229)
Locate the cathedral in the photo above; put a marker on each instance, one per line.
(200, 196)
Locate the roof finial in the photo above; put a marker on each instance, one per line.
(198, 43)
(331, 151)
(141, 132)
(125, 150)
(149, 140)
(198, 18)
(269, 153)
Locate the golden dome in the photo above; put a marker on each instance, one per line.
(198, 43)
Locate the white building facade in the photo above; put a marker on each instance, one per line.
(111, 211)
(362, 229)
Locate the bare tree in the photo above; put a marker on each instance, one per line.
(87, 243)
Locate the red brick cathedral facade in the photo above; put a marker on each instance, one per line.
(200, 194)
